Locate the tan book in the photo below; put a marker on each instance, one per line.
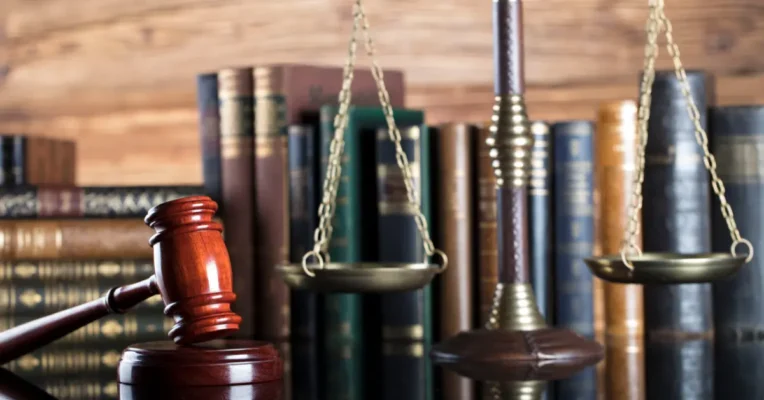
(615, 160)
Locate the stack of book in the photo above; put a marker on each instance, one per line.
(64, 245)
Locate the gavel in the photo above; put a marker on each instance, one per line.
(192, 273)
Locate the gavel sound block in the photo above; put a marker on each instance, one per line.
(192, 273)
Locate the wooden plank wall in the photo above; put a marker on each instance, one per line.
(118, 76)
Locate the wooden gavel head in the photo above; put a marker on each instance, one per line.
(193, 269)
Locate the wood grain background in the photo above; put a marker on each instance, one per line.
(118, 76)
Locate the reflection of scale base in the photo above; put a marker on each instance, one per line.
(516, 390)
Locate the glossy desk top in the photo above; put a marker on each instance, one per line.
(690, 369)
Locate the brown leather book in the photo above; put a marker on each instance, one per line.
(615, 160)
(454, 210)
(488, 256)
(625, 372)
(79, 239)
(235, 94)
(290, 94)
(39, 160)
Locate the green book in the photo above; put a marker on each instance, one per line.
(354, 239)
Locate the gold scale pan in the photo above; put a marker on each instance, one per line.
(632, 265)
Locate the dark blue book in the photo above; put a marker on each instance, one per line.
(540, 219)
(406, 329)
(737, 139)
(680, 369)
(6, 160)
(573, 196)
(737, 369)
(676, 211)
(208, 109)
(303, 209)
(573, 225)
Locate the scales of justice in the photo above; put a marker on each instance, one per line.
(516, 344)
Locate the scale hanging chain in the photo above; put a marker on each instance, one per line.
(326, 210)
(645, 100)
(395, 135)
(323, 232)
(702, 138)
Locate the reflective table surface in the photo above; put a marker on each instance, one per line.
(632, 369)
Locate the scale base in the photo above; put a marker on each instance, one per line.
(521, 348)
(359, 277)
(666, 268)
(502, 355)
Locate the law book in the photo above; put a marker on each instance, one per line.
(39, 160)
(307, 379)
(737, 363)
(83, 387)
(573, 156)
(285, 94)
(208, 110)
(625, 367)
(355, 226)
(304, 188)
(676, 208)
(142, 325)
(75, 239)
(70, 360)
(123, 269)
(573, 224)
(6, 159)
(454, 224)
(615, 142)
(236, 102)
(540, 218)
(50, 297)
(406, 317)
(680, 369)
(486, 246)
(52, 202)
(737, 142)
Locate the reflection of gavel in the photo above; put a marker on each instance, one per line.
(192, 274)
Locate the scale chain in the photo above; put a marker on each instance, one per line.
(658, 21)
(327, 208)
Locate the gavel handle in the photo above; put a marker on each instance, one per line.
(20, 340)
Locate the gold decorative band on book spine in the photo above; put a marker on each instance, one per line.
(510, 141)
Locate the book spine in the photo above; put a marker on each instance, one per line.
(303, 208)
(79, 239)
(488, 256)
(80, 388)
(453, 163)
(69, 360)
(736, 366)
(680, 369)
(122, 270)
(573, 224)
(49, 297)
(737, 141)
(625, 368)
(271, 203)
(89, 202)
(540, 218)
(343, 323)
(235, 96)
(18, 162)
(676, 210)
(145, 325)
(208, 110)
(306, 376)
(615, 144)
(6, 149)
(405, 316)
